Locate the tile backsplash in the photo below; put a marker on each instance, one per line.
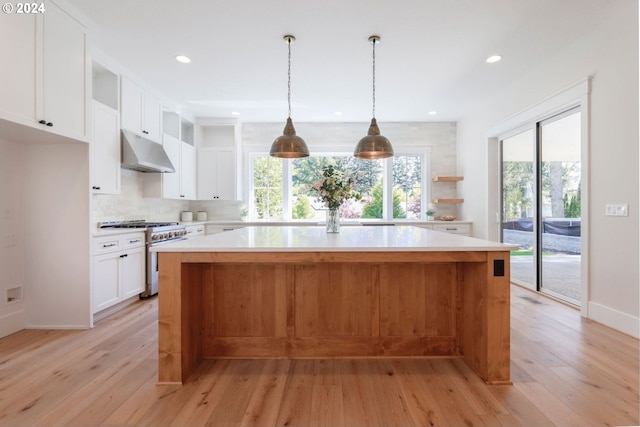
(131, 204)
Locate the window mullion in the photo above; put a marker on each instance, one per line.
(387, 190)
(287, 190)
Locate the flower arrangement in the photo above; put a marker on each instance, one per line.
(431, 210)
(334, 188)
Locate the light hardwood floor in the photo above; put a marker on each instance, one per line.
(566, 371)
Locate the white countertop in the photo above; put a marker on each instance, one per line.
(307, 222)
(115, 231)
(306, 239)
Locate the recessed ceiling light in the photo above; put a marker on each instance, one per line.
(494, 58)
(432, 113)
(183, 59)
(235, 113)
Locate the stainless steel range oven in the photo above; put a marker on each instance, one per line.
(156, 233)
(156, 236)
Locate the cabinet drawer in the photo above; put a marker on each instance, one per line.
(103, 245)
(117, 242)
(213, 229)
(134, 240)
(453, 228)
(195, 231)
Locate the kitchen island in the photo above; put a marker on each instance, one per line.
(298, 292)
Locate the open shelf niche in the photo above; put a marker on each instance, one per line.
(449, 200)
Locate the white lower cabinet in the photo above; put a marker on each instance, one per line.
(132, 272)
(214, 228)
(118, 268)
(195, 231)
(462, 228)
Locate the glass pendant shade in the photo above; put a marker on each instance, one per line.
(289, 145)
(374, 145)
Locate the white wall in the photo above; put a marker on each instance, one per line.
(12, 314)
(322, 137)
(610, 54)
(57, 252)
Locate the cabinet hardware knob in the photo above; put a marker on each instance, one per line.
(95, 187)
(144, 131)
(43, 122)
(49, 124)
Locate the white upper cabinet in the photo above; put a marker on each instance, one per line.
(188, 167)
(177, 140)
(105, 150)
(217, 161)
(217, 174)
(18, 76)
(43, 79)
(140, 111)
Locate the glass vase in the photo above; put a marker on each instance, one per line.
(333, 221)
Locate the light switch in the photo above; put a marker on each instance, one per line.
(619, 209)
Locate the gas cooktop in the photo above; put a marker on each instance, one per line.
(134, 224)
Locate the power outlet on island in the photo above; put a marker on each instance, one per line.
(619, 209)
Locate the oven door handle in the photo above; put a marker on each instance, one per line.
(166, 242)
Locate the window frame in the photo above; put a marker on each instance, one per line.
(422, 151)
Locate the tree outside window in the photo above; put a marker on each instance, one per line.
(271, 189)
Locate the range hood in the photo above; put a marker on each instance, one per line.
(143, 155)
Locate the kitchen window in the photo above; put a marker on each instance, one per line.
(390, 188)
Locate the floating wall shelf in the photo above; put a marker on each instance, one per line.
(448, 200)
(447, 178)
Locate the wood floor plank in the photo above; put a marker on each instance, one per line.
(360, 404)
(611, 402)
(295, 409)
(565, 370)
(554, 409)
(327, 407)
(265, 402)
(520, 408)
(197, 411)
(422, 405)
(237, 396)
(392, 410)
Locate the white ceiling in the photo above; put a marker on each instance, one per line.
(431, 56)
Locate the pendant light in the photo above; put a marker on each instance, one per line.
(373, 146)
(289, 145)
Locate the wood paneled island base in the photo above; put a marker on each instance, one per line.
(334, 305)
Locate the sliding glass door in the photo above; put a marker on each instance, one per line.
(560, 171)
(541, 174)
(518, 204)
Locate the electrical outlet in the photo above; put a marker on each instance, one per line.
(617, 209)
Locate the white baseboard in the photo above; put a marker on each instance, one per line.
(62, 327)
(615, 319)
(12, 323)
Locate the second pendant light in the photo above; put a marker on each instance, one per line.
(373, 146)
